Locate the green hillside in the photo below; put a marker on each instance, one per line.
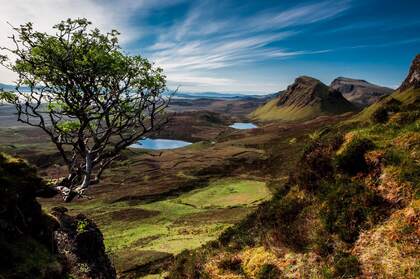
(350, 209)
(305, 99)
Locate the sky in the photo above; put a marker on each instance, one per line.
(250, 47)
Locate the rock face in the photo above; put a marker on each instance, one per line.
(359, 92)
(80, 247)
(307, 91)
(305, 99)
(413, 78)
(34, 244)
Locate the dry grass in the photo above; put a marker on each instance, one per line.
(392, 249)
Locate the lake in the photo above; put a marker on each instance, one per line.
(243, 125)
(159, 144)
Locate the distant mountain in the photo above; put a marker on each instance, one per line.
(359, 92)
(184, 95)
(218, 96)
(305, 99)
(7, 87)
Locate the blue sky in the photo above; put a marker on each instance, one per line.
(251, 46)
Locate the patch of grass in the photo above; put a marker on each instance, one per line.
(171, 225)
(227, 193)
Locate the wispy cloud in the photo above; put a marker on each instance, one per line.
(195, 45)
(202, 41)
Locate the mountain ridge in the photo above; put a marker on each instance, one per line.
(358, 91)
(305, 99)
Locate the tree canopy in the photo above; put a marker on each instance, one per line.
(91, 99)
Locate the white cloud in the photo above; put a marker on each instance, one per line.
(105, 14)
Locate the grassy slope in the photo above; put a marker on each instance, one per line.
(340, 224)
(270, 111)
(154, 230)
(406, 97)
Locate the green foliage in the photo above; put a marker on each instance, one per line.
(8, 97)
(347, 208)
(268, 271)
(351, 160)
(82, 226)
(80, 80)
(68, 126)
(346, 265)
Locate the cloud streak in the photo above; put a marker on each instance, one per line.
(203, 42)
(195, 46)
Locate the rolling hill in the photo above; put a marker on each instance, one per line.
(306, 98)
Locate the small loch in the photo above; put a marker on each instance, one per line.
(243, 126)
(160, 144)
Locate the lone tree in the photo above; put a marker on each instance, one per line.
(89, 97)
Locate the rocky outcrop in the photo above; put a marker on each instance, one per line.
(413, 78)
(79, 245)
(34, 244)
(359, 92)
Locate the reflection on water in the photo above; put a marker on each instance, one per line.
(243, 126)
(158, 144)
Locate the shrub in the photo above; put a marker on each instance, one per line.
(380, 115)
(346, 265)
(268, 271)
(404, 118)
(347, 208)
(351, 160)
(282, 215)
(231, 264)
(254, 259)
(315, 165)
(323, 245)
(187, 265)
